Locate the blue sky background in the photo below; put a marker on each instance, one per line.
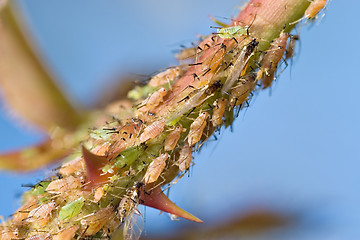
(295, 151)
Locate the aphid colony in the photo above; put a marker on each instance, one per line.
(126, 162)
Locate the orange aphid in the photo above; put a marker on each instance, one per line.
(185, 157)
(155, 168)
(153, 101)
(41, 214)
(23, 212)
(64, 184)
(314, 8)
(99, 193)
(197, 128)
(153, 130)
(211, 64)
(72, 166)
(164, 77)
(272, 59)
(66, 234)
(241, 92)
(95, 222)
(172, 139)
(218, 111)
(124, 138)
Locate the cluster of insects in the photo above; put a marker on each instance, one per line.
(126, 163)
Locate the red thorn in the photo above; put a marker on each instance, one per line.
(157, 199)
(94, 165)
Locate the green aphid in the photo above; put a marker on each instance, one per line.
(72, 209)
(128, 156)
(39, 188)
(100, 134)
(231, 32)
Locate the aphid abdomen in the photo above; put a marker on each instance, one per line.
(96, 222)
(41, 214)
(211, 64)
(152, 130)
(72, 166)
(172, 139)
(126, 138)
(165, 77)
(71, 209)
(185, 158)
(314, 8)
(64, 184)
(197, 128)
(241, 92)
(155, 168)
(23, 212)
(218, 112)
(272, 59)
(66, 234)
(153, 101)
(99, 193)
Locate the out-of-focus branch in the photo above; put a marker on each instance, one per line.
(26, 85)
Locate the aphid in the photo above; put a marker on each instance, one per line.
(197, 128)
(164, 77)
(129, 202)
(185, 157)
(23, 212)
(232, 32)
(212, 62)
(290, 47)
(155, 168)
(72, 166)
(242, 90)
(153, 101)
(240, 65)
(71, 209)
(66, 234)
(314, 8)
(99, 193)
(41, 214)
(134, 222)
(125, 138)
(63, 185)
(172, 139)
(192, 100)
(272, 59)
(218, 112)
(95, 222)
(153, 130)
